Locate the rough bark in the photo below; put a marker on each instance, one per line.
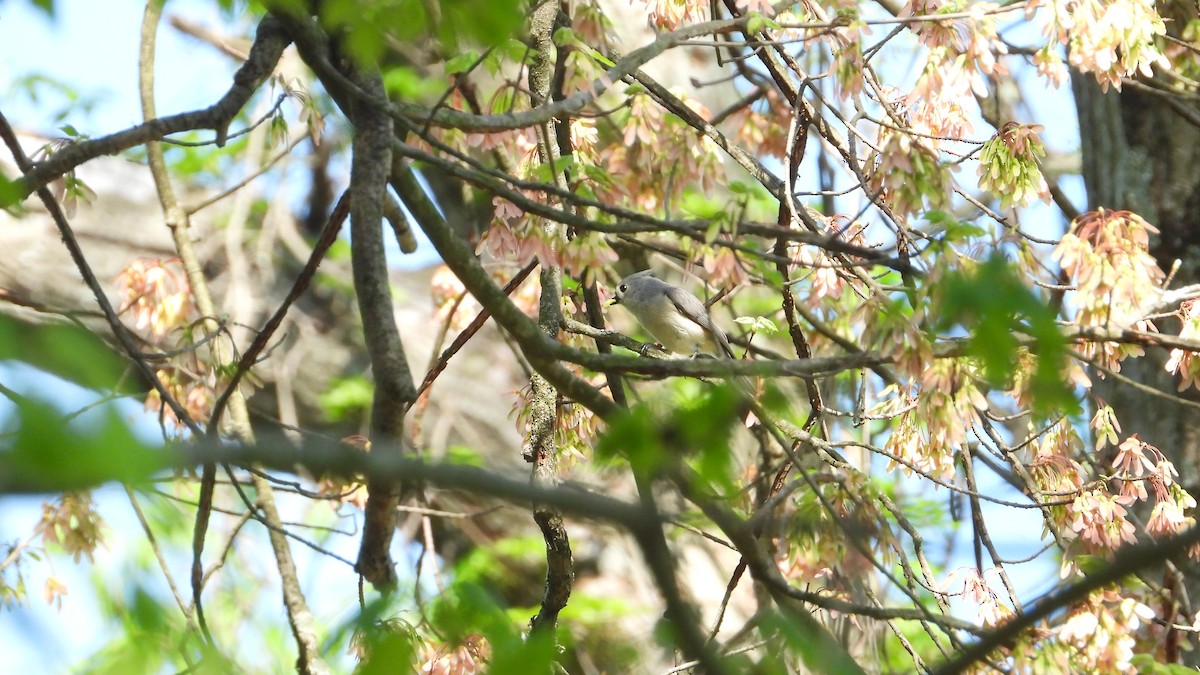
(541, 446)
(1138, 154)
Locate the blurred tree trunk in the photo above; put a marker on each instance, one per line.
(1139, 153)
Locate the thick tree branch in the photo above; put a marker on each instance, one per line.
(541, 446)
(394, 388)
(322, 456)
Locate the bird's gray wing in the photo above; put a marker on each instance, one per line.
(691, 307)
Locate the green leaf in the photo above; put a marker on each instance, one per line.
(462, 62)
(485, 22)
(564, 36)
(360, 24)
(49, 455)
(604, 60)
(70, 352)
(204, 162)
(346, 397)
(633, 436)
(516, 51)
(702, 206)
(562, 164)
(714, 228)
(532, 655)
(488, 567)
(592, 610)
(995, 305)
(365, 26)
(758, 22)
(10, 192)
(390, 646)
(955, 230)
(1147, 664)
(406, 83)
(1091, 564)
(797, 639)
(698, 426)
(277, 130)
(467, 609)
(461, 454)
(706, 425)
(758, 324)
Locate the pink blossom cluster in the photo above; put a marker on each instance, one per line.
(1112, 39)
(1106, 256)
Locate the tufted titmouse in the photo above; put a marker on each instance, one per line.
(675, 318)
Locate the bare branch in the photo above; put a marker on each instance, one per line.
(394, 388)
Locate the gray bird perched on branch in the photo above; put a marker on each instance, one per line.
(675, 317)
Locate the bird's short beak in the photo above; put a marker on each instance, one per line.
(612, 301)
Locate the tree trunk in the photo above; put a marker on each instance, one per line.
(1139, 154)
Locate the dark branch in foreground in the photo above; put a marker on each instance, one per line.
(327, 457)
(330, 457)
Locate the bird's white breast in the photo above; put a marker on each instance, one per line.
(675, 331)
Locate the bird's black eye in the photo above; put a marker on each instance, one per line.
(622, 288)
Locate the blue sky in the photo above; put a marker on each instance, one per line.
(93, 47)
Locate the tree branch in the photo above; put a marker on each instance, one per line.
(300, 618)
(310, 41)
(394, 388)
(541, 446)
(269, 43)
(323, 456)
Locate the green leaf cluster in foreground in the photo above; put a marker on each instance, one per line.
(996, 307)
